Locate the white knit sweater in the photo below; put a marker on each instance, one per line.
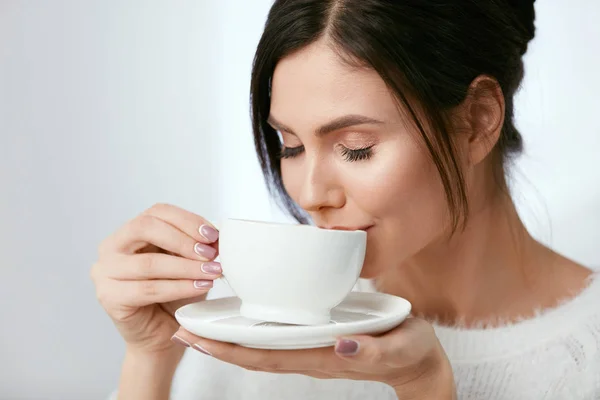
(555, 355)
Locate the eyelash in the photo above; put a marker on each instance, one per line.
(291, 152)
(350, 155)
(357, 154)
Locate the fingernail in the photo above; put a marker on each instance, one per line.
(178, 340)
(346, 347)
(209, 232)
(203, 284)
(213, 268)
(205, 251)
(200, 349)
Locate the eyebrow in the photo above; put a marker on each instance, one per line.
(345, 121)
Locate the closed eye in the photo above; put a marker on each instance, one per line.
(291, 152)
(352, 155)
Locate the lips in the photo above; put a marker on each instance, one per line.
(349, 228)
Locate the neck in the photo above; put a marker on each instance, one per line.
(491, 265)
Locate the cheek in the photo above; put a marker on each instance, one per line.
(400, 189)
(292, 176)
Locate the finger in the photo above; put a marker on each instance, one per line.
(362, 350)
(143, 293)
(148, 229)
(190, 223)
(411, 340)
(313, 374)
(264, 360)
(321, 359)
(161, 266)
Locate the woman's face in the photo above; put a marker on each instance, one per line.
(352, 160)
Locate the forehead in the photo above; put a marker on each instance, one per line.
(314, 85)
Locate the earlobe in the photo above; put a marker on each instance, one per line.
(485, 111)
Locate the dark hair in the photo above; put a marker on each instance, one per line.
(426, 50)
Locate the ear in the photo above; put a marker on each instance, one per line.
(483, 113)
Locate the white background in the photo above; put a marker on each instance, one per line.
(107, 107)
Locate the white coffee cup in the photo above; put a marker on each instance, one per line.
(289, 273)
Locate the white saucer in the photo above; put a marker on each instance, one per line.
(359, 313)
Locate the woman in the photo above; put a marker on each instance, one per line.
(397, 117)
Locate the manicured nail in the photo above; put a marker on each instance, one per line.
(200, 349)
(213, 268)
(209, 233)
(203, 284)
(205, 251)
(178, 340)
(346, 347)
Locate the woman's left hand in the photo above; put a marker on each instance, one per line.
(409, 358)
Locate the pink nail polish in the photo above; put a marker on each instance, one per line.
(213, 268)
(178, 340)
(200, 349)
(203, 284)
(205, 251)
(347, 347)
(210, 233)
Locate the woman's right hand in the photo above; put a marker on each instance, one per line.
(155, 263)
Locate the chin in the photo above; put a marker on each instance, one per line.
(370, 270)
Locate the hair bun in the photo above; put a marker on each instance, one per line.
(525, 12)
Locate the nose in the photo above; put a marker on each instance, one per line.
(320, 189)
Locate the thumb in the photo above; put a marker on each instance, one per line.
(363, 349)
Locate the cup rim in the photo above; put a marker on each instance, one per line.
(289, 225)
